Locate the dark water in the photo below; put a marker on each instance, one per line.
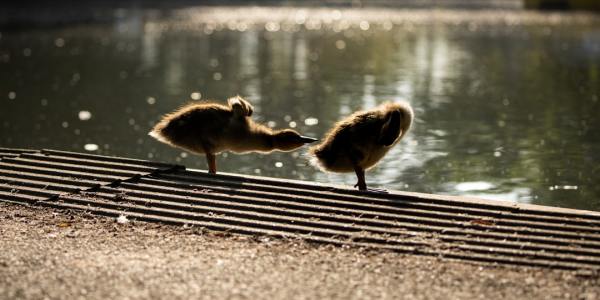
(506, 103)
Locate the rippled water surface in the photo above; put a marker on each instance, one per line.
(506, 102)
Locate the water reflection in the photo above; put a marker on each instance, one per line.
(505, 102)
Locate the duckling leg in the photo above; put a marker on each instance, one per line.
(360, 174)
(355, 157)
(212, 163)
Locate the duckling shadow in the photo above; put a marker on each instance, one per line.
(202, 181)
(257, 190)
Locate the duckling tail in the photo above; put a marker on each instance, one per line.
(240, 107)
(319, 158)
(158, 136)
(316, 162)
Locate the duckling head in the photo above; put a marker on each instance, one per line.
(288, 140)
(405, 113)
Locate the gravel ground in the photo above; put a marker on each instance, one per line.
(55, 254)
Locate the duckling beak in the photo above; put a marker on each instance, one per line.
(307, 140)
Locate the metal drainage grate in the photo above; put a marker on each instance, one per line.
(452, 227)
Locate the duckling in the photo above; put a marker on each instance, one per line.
(211, 128)
(359, 141)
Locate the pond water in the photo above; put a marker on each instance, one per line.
(506, 102)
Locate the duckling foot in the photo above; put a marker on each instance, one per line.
(360, 175)
(362, 186)
(376, 190)
(373, 190)
(212, 163)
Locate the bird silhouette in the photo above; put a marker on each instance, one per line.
(210, 128)
(359, 141)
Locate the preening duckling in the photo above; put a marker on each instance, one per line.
(359, 141)
(211, 128)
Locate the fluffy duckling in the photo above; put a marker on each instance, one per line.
(211, 128)
(359, 141)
